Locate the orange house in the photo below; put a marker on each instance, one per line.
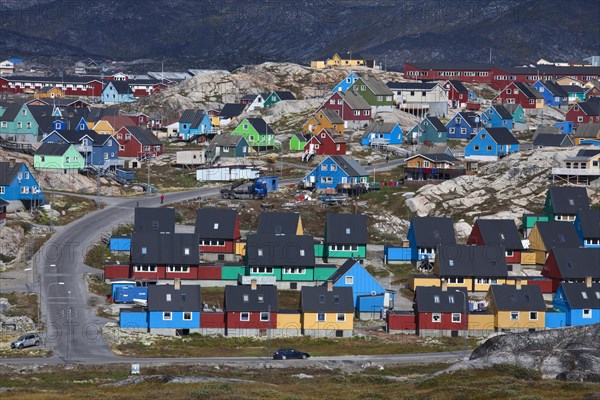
(49, 92)
(324, 119)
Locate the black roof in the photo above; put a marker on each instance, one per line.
(8, 172)
(122, 87)
(97, 113)
(552, 130)
(74, 136)
(443, 65)
(437, 124)
(434, 299)
(57, 79)
(346, 229)
(192, 117)
(555, 89)
(280, 251)
(433, 231)
(278, 223)
(154, 220)
(231, 110)
(509, 298)
(216, 223)
(52, 149)
(528, 90)
(458, 86)
(342, 269)
(470, 117)
(550, 139)
(167, 298)
(590, 223)
(572, 89)
(350, 166)
(285, 94)
(475, 261)
(411, 85)
(260, 126)
(580, 296)
(244, 298)
(502, 136)
(557, 234)
(170, 249)
(577, 263)
(500, 231)
(12, 109)
(144, 136)
(589, 107)
(319, 299)
(502, 111)
(3, 202)
(568, 199)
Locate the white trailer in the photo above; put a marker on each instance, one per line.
(226, 174)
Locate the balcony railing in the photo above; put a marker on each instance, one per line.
(576, 171)
(82, 148)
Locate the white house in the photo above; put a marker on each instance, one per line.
(7, 67)
(429, 96)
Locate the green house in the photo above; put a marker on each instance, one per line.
(256, 132)
(529, 221)
(18, 122)
(278, 95)
(231, 271)
(345, 236)
(375, 92)
(297, 142)
(563, 203)
(59, 157)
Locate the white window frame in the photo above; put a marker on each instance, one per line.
(341, 317)
(439, 319)
(167, 316)
(319, 319)
(263, 318)
(349, 280)
(245, 316)
(514, 315)
(533, 315)
(456, 318)
(586, 313)
(186, 314)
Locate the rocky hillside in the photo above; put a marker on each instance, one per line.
(507, 188)
(230, 33)
(570, 354)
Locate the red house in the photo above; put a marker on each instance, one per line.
(401, 322)
(441, 311)
(349, 106)
(156, 256)
(138, 142)
(70, 85)
(457, 92)
(326, 143)
(250, 309)
(572, 265)
(584, 112)
(498, 232)
(3, 205)
(218, 231)
(521, 93)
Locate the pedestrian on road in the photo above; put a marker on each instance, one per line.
(387, 158)
(162, 198)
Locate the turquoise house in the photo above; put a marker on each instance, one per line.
(497, 116)
(117, 92)
(429, 130)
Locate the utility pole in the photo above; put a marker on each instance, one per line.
(148, 187)
(70, 327)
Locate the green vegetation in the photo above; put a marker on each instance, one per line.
(100, 253)
(97, 286)
(70, 209)
(22, 304)
(167, 178)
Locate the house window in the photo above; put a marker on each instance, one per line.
(508, 91)
(187, 316)
(489, 148)
(167, 316)
(264, 316)
(456, 317)
(24, 189)
(426, 164)
(363, 88)
(586, 313)
(19, 125)
(29, 125)
(483, 136)
(186, 251)
(451, 131)
(121, 148)
(341, 317)
(476, 148)
(349, 280)
(321, 317)
(436, 317)
(333, 167)
(514, 315)
(332, 101)
(2, 190)
(531, 101)
(367, 112)
(244, 316)
(456, 280)
(339, 102)
(324, 167)
(533, 315)
(128, 136)
(246, 298)
(463, 131)
(356, 112)
(4, 124)
(508, 253)
(579, 119)
(144, 250)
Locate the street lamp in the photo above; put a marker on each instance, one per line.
(464, 295)
(47, 307)
(26, 280)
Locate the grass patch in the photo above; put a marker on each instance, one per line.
(97, 286)
(167, 178)
(100, 253)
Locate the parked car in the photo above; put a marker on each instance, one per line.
(283, 354)
(27, 340)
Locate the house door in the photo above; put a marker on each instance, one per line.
(311, 148)
(311, 179)
(217, 150)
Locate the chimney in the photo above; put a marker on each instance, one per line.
(177, 283)
(444, 285)
(518, 284)
(253, 284)
(588, 281)
(329, 285)
(11, 162)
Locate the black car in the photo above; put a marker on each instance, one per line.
(284, 354)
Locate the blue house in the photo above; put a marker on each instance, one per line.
(464, 125)
(490, 144)
(193, 123)
(173, 309)
(18, 184)
(429, 130)
(554, 94)
(117, 92)
(98, 151)
(580, 301)
(425, 234)
(382, 133)
(497, 116)
(128, 291)
(346, 83)
(370, 298)
(334, 171)
(587, 226)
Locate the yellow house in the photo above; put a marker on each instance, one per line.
(345, 60)
(567, 80)
(102, 127)
(327, 311)
(48, 92)
(516, 307)
(317, 64)
(289, 323)
(546, 235)
(324, 118)
(417, 280)
(591, 132)
(481, 323)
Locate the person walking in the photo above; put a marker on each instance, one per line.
(162, 198)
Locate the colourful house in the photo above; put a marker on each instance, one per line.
(174, 309)
(575, 93)
(370, 298)
(297, 142)
(498, 232)
(517, 113)
(554, 94)
(229, 113)
(546, 236)
(250, 309)
(218, 231)
(99, 151)
(226, 146)
(572, 265)
(324, 118)
(580, 301)
(280, 223)
(61, 158)
(587, 134)
(587, 225)
(517, 308)
(497, 116)
(463, 125)
(193, 123)
(563, 203)
(350, 107)
(425, 234)
(375, 92)
(345, 236)
(346, 83)
(327, 311)
(117, 92)
(433, 166)
(490, 144)
(521, 93)
(382, 133)
(18, 184)
(138, 142)
(441, 311)
(334, 171)
(257, 133)
(278, 95)
(326, 142)
(429, 130)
